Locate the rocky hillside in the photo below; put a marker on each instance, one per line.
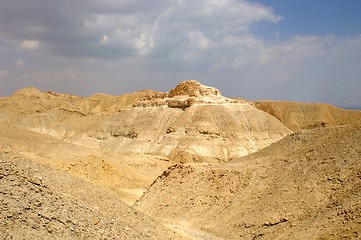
(39, 202)
(184, 164)
(125, 176)
(61, 115)
(203, 132)
(190, 123)
(306, 186)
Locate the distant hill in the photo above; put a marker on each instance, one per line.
(298, 115)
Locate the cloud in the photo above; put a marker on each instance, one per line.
(155, 44)
(183, 31)
(29, 45)
(3, 73)
(197, 38)
(105, 39)
(303, 68)
(129, 28)
(19, 63)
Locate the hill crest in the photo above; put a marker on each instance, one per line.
(186, 94)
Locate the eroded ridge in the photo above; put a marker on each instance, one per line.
(184, 95)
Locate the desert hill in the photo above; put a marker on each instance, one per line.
(297, 115)
(125, 176)
(184, 164)
(191, 123)
(306, 186)
(59, 114)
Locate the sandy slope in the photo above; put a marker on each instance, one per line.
(306, 186)
(298, 115)
(39, 202)
(126, 176)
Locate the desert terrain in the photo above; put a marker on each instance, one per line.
(184, 164)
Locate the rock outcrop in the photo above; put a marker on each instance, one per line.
(193, 88)
(190, 123)
(184, 95)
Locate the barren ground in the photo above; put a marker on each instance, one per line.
(153, 165)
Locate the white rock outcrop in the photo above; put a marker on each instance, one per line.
(184, 95)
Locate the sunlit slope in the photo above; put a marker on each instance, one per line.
(298, 115)
(306, 186)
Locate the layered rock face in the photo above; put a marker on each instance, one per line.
(190, 123)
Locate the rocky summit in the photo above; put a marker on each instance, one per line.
(184, 164)
(193, 88)
(184, 95)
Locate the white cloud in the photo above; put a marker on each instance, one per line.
(30, 44)
(166, 27)
(19, 63)
(345, 50)
(3, 73)
(198, 39)
(144, 43)
(105, 39)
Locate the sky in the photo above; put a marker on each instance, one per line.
(294, 50)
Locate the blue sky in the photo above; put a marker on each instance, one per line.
(257, 49)
(319, 17)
